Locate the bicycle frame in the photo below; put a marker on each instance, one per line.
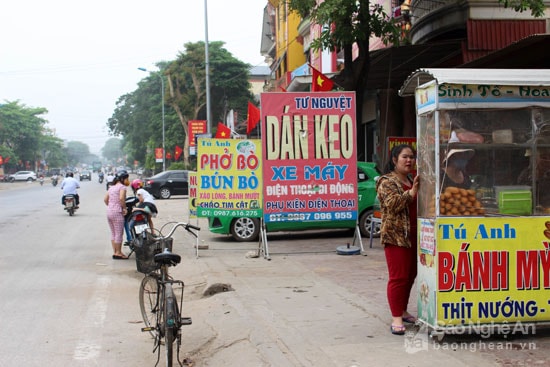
(167, 309)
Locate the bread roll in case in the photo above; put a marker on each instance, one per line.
(458, 201)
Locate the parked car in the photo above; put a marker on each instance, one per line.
(22, 176)
(165, 184)
(248, 229)
(85, 175)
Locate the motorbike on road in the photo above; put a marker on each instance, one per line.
(100, 177)
(41, 180)
(70, 204)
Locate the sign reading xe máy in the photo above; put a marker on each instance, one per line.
(309, 151)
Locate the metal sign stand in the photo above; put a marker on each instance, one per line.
(197, 241)
(263, 247)
(375, 222)
(357, 237)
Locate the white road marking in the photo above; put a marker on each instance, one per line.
(89, 347)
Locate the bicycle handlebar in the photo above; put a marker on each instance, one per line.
(188, 227)
(194, 227)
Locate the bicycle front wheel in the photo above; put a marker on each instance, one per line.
(149, 303)
(171, 322)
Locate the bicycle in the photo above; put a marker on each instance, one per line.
(160, 307)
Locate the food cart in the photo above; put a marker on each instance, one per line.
(483, 243)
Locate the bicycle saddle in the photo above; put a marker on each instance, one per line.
(168, 258)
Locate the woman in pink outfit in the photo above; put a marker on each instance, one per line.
(115, 199)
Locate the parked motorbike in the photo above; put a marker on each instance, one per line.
(138, 222)
(70, 204)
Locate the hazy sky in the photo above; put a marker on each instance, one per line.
(77, 57)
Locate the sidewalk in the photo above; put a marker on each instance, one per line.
(309, 306)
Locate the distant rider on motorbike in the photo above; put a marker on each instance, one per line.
(69, 186)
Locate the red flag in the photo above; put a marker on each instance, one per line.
(6, 160)
(1, 160)
(253, 117)
(223, 132)
(320, 82)
(178, 152)
(168, 155)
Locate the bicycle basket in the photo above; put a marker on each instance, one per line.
(147, 249)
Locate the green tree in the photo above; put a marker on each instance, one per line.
(537, 7)
(138, 119)
(51, 150)
(21, 129)
(138, 115)
(353, 22)
(229, 86)
(347, 23)
(77, 152)
(112, 150)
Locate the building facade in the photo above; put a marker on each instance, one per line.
(451, 34)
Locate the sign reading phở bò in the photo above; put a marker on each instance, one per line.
(229, 178)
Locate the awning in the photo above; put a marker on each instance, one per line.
(529, 52)
(539, 77)
(303, 83)
(389, 67)
(300, 71)
(300, 84)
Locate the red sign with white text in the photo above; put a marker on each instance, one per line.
(309, 156)
(195, 127)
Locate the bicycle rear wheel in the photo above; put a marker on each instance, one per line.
(149, 303)
(171, 322)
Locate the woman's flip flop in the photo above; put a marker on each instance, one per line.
(397, 329)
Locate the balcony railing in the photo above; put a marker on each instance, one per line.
(420, 8)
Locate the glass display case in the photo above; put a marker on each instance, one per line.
(483, 140)
(503, 159)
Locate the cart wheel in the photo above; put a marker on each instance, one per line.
(437, 335)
